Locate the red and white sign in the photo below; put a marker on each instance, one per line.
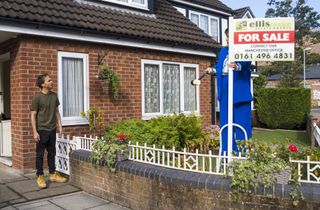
(262, 39)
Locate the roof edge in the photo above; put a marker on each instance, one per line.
(96, 38)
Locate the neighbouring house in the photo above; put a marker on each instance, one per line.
(153, 48)
(312, 82)
(244, 13)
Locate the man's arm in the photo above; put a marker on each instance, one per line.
(36, 136)
(58, 117)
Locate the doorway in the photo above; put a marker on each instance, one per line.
(5, 111)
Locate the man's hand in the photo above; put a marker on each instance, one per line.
(234, 66)
(208, 70)
(36, 136)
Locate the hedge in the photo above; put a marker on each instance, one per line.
(283, 107)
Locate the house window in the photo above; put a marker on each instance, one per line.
(167, 89)
(73, 88)
(141, 4)
(209, 24)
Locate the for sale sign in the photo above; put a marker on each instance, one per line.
(261, 39)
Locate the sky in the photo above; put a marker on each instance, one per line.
(259, 7)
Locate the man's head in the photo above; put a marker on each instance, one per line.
(44, 81)
(226, 32)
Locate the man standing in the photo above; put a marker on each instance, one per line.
(45, 119)
(242, 97)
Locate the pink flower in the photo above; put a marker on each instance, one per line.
(293, 148)
(122, 137)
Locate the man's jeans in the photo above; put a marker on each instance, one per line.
(47, 141)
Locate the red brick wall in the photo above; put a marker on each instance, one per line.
(36, 55)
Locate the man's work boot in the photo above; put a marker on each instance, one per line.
(57, 177)
(41, 182)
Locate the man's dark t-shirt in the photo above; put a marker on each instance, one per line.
(45, 105)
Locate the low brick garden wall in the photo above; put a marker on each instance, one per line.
(141, 187)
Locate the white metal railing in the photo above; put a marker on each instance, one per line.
(316, 133)
(64, 145)
(308, 171)
(187, 161)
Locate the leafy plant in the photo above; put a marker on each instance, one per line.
(96, 122)
(261, 167)
(177, 131)
(110, 80)
(105, 151)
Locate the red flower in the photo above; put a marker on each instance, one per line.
(122, 137)
(293, 148)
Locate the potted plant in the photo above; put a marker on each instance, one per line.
(110, 81)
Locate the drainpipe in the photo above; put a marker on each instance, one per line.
(213, 93)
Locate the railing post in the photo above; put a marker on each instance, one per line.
(308, 168)
(313, 130)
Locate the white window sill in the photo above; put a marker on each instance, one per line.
(150, 116)
(74, 122)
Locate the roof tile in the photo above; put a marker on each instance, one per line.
(167, 24)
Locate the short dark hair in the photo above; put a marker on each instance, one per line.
(41, 79)
(226, 31)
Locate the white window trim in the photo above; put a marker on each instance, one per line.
(247, 15)
(73, 120)
(209, 19)
(130, 3)
(147, 116)
(181, 10)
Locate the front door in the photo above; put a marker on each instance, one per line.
(5, 110)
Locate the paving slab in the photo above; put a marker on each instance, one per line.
(19, 200)
(8, 174)
(78, 201)
(30, 185)
(8, 208)
(110, 206)
(7, 194)
(50, 191)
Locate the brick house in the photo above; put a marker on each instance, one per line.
(153, 48)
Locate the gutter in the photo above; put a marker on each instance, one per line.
(96, 38)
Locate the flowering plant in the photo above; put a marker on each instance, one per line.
(213, 134)
(293, 148)
(122, 139)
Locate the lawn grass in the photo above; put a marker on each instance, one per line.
(281, 136)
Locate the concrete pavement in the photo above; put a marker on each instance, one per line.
(18, 191)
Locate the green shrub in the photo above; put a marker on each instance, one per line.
(283, 107)
(175, 130)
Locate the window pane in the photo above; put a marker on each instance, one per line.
(151, 88)
(214, 29)
(138, 1)
(73, 87)
(195, 19)
(171, 88)
(204, 23)
(190, 93)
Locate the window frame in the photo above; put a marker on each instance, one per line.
(74, 120)
(147, 116)
(131, 3)
(209, 19)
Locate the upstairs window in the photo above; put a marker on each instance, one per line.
(209, 24)
(140, 4)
